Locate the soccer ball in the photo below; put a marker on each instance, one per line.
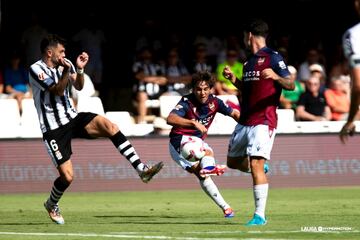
(192, 149)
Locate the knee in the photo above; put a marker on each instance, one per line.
(110, 128)
(68, 178)
(256, 165)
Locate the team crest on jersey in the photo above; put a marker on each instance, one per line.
(211, 106)
(41, 76)
(261, 60)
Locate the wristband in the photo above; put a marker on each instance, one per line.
(80, 71)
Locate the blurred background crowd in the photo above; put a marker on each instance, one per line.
(143, 50)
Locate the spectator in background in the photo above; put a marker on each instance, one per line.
(212, 43)
(2, 87)
(17, 80)
(177, 75)
(31, 39)
(337, 99)
(231, 42)
(316, 70)
(91, 39)
(312, 57)
(151, 82)
(200, 62)
(151, 38)
(312, 104)
(289, 99)
(224, 86)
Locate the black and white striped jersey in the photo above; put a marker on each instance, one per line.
(351, 45)
(53, 111)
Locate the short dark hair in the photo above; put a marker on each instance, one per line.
(202, 76)
(257, 27)
(51, 40)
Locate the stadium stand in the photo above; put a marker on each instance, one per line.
(167, 103)
(91, 104)
(30, 127)
(10, 118)
(127, 124)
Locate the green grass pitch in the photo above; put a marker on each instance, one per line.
(187, 215)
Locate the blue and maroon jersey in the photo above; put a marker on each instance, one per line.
(190, 108)
(260, 96)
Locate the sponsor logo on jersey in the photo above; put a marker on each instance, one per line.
(211, 106)
(251, 76)
(261, 61)
(205, 121)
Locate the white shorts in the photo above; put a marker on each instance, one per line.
(251, 141)
(179, 159)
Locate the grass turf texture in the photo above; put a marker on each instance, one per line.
(183, 215)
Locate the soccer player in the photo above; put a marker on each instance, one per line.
(265, 74)
(351, 46)
(50, 78)
(192, 116)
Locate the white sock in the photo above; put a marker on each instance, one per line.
(207, 161)
(260, 197)
(212, 191)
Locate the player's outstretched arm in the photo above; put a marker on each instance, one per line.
(175, 120)
(235, 114)
(349, 127)
(228, 74)
(285, 82)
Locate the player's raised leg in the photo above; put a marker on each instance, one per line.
(102, 127)
(209, 187)
(206, 162)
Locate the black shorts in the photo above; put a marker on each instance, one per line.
(58, 141)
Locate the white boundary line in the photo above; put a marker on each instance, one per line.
(142, 235)
(130, 236)
(272, 232)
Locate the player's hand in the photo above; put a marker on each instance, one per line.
(82, 60)
(228, 74)
(200, 127)
(269, 73)
(64, 63)
(347, 130)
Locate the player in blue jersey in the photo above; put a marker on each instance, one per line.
(192, 117)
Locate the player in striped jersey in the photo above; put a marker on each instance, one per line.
(50, 78)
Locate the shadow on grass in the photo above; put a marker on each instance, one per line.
(177, 223)
(23, 224)
(138, 216)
